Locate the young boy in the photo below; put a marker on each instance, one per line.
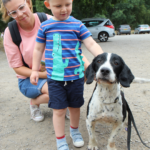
(61, 37)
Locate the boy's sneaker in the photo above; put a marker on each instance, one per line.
(62, 146)
(36, 113)
(67, 114)
(77, 138)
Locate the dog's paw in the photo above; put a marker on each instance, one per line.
(111, 147)
(91, 147)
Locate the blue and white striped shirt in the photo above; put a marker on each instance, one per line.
(63, 48)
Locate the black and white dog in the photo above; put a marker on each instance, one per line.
(107, 104)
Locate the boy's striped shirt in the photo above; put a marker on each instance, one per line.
(63, 48)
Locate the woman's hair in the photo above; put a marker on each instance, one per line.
(5, 16)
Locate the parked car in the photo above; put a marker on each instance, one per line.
(100, 28)
(143, 28)
(124, 29)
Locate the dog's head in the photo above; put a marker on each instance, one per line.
(109, 68)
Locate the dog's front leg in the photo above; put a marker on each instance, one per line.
(111, 144)
(91, 130)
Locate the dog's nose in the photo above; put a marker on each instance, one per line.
(105, 71)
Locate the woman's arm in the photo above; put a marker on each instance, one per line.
(24, 71)
(37, 56)
(14, 57)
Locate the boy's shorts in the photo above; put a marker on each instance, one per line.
(29, 90)
(63, 96)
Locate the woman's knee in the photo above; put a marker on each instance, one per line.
(29, 90)
(44, 89)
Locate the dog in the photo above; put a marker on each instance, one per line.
(107, 104)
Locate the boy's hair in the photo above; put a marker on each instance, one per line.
(5, 16)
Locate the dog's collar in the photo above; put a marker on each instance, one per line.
(115, 101)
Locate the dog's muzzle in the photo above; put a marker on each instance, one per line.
(105, 72)
(105, 75)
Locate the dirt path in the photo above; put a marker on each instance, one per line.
(18, 132)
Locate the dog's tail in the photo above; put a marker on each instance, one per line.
(141, 80)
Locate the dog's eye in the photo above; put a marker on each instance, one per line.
(99, 61)
(116, 63)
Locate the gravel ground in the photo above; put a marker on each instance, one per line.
(19, 132)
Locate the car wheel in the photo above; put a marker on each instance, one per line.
(103, 37)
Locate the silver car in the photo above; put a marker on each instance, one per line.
(100, 29)
(144, 28)
(124, 29)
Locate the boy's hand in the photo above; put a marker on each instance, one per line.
(34, 77)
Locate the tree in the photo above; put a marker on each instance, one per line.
(3, 25)
(131, 12)
(40, 7)
(84, 8)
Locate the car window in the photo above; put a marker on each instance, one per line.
(125, 26)
(144, 26)
(109, 23)
(93, 23)
(84, 22)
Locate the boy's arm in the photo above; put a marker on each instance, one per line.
(37, 56)
(92, 46)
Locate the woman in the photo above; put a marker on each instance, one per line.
(28, 25)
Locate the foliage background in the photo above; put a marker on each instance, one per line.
(132, 12)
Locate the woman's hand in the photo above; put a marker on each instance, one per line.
(34, 77)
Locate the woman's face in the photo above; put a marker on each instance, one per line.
(22, 17)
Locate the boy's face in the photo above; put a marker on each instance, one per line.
(61, 9)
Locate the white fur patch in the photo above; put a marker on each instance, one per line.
(112, 76)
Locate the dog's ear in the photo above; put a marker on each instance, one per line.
(126, 76)
(90, 74)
